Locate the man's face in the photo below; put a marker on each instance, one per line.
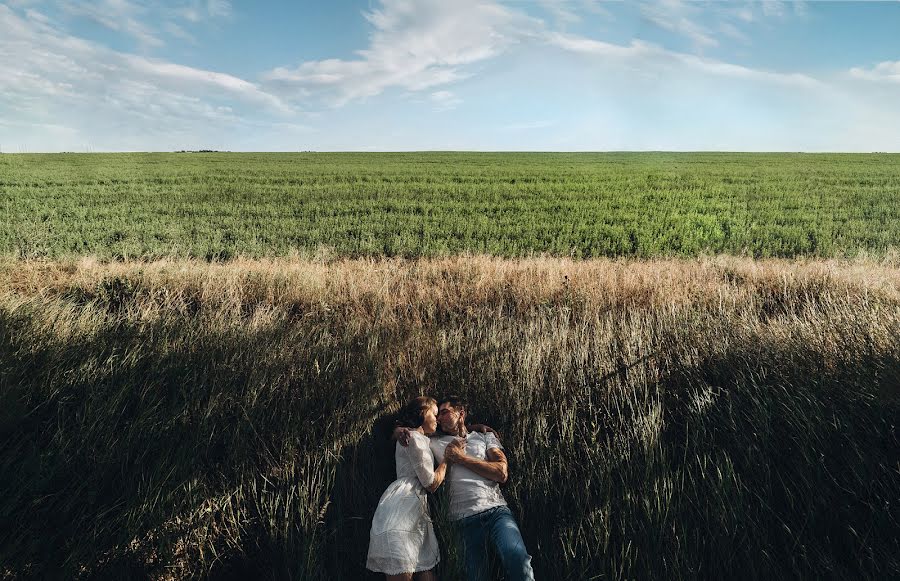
(449, 418)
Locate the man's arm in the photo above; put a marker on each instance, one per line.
(401, 434)
(484, 429)
(493, 468)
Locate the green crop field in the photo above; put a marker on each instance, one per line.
(221, 205)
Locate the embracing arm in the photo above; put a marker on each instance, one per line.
(401, 434)
(439, 474)
(493, 468)
(423, 463)
(484, 429)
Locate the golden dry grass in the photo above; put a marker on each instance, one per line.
(665, 418)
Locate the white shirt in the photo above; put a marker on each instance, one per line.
(470, 493)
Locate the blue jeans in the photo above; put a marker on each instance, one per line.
(498, 526)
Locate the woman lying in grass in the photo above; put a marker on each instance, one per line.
(402, 544)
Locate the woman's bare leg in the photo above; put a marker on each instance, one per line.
(425, 576)
(400, 577)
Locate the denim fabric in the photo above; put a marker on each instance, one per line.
(497, 526)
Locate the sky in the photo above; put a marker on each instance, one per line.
(401, 75)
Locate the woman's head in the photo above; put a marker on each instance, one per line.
(420, 412)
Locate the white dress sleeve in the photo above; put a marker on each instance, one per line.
(421, 458)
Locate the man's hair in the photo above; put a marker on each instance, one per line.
(455, 401)
(413, 413)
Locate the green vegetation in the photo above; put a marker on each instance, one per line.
(672, 419)
(220, 205)
(664, 419)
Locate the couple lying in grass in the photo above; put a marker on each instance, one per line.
(402, 544)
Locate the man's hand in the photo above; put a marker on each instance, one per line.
(494, 467)
(401, 434)
(455, 450)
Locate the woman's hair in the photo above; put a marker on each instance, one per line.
(413, 414)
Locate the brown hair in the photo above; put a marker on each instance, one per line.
(456, 402)
(413, 414)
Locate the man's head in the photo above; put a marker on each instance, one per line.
(452, 411)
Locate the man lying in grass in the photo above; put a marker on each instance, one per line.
(477, 468)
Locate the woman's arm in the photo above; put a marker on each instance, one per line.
(439, 474)
(423, 461)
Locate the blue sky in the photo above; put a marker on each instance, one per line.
(563, 75)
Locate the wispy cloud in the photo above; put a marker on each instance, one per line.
(513, 71)
(527, 125)
(414, 46)
(219, 8)
(120, 15)
(563, 11)
(888, 72)
(177, 31)
(705, 24)
(582, 44)
(147, 22)
(649, 57)
(57, 75)
(444, 100)
(678, 17)
(782, 9)
(732, 31)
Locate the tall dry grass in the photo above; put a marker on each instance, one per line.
(663, 419)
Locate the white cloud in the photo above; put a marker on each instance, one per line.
(704, 23)
(57, 61)
(677, 16)
(888, 71)
(773, 8)
(415, 45)
(581, 44)
(445, 100)
(732, 31)
(102, 92)
(22, 3)
(562, 11)
(119, 15)
(527, 125)
(779, 8)
(177, 31)
(218, 8)
(133, 17)
(595, 7)
(180, 76)
(62, 91)
(649, 58)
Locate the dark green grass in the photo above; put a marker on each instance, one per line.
(217, 206)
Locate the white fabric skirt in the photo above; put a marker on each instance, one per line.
(402, 537)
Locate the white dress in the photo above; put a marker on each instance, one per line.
(402, 538)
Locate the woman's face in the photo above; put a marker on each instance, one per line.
(429, 422)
